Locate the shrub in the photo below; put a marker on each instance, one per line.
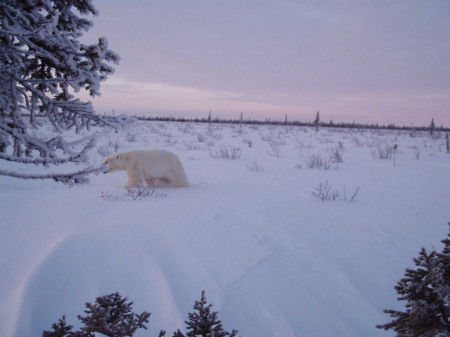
(225, 152)
(274, 149)
(248, 142)
(104, 151)
(416, 152)
(201, 137)
(255, 167)
(316, 161)
(130, 136)
(324, 192)
(190, 145)
(382, 150)
(336, 155)
(138, 193)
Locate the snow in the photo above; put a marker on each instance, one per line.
(274, 260)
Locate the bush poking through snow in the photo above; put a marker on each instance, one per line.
(274, 149)
(104, 151)
(336, 154)
(248, 142)
(201, 137)
(134, 194)
(427, 292)
(226, 152)
(190, 145)
(317, 162)
(130, 136)
(447, 143)
(416, 152)
(324, 192)
(255, 166)
(352, 198)
(382, 151)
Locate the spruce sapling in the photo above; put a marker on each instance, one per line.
(112, 316)
(204, 322)
(60, 329)
(427, 292)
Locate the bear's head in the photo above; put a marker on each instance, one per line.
(114, 163)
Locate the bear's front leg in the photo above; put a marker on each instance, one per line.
(134, 181)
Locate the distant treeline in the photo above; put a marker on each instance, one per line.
(269, 121)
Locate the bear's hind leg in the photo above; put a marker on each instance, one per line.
(179, 178)
(151, 182)
(164, 181)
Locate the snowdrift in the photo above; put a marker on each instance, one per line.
(273, 259)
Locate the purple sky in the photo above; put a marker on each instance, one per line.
(385, 61)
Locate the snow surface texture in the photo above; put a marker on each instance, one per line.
(273, 259)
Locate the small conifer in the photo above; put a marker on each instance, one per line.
(204, 322)
(60, 329)
(427, 292)
(110, 316)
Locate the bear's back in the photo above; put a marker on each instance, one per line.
(150, 154)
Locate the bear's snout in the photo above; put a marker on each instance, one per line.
(106, 168)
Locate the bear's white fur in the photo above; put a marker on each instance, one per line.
(153, 167)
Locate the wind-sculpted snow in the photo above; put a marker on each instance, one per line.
(272, 259)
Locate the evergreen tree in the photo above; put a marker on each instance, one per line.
(110, 316)
(42, 63)
(204, 322)
(316, 122)
(427, 292)
(60, 329)
(432, 126)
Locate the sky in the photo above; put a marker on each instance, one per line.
(366, 61)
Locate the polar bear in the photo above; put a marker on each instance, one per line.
(154, 167)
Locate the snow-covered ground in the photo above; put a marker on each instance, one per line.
(273, 259)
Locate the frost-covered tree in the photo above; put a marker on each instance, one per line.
(42, 65)
(204, 322)
(427, 292)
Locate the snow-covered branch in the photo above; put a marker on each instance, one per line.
(72, 178)
(48, 156)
